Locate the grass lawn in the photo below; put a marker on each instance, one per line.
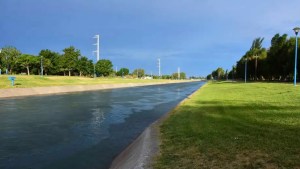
(23, 81)
(234, 125)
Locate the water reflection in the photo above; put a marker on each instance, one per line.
(98, 117)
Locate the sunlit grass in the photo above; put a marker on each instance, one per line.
(234, 125)
(23, 81)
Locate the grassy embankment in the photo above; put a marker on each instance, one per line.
(234, 125)
(23, 81)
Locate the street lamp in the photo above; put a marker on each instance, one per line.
(297, 29)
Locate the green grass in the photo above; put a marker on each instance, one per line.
(234, 125)
(24, 81)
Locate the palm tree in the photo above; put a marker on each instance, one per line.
(256, 50)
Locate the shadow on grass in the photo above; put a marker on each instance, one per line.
(213, 134)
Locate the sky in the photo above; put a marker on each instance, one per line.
(196, 35)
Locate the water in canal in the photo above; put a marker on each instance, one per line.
(83, 130)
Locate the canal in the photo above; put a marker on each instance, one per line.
(80, 130)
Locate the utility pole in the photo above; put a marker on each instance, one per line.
(97, 52)
(178, 73)
(158, 64)
(97, 47)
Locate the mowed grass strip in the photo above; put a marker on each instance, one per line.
(24, 81)
(234, 125)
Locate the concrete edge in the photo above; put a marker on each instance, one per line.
(18, 92)
(141, 153)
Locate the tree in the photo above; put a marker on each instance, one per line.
(123, 72)
(253, 56)
(85, 66)
(280, 56)
(9, 57)
(139, 72)
(232, 72)
(276, 63)
(2, 60)
(62, 65)
(209, 77)
(256, 45)
(45, 63)
(26, 61)
(219, 73)
(70, 57)
(104, 67)
(256, 51)
(226, 74)
(182, 75)
(51, 61)
(166, 76)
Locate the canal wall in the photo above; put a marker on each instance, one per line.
(17, 92)
(141, 153)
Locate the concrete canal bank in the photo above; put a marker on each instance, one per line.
(16, 92)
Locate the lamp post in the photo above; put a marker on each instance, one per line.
(297, 29)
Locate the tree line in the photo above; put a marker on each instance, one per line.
(69, 63)
(273, 64)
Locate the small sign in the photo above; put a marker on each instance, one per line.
(12, 79)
